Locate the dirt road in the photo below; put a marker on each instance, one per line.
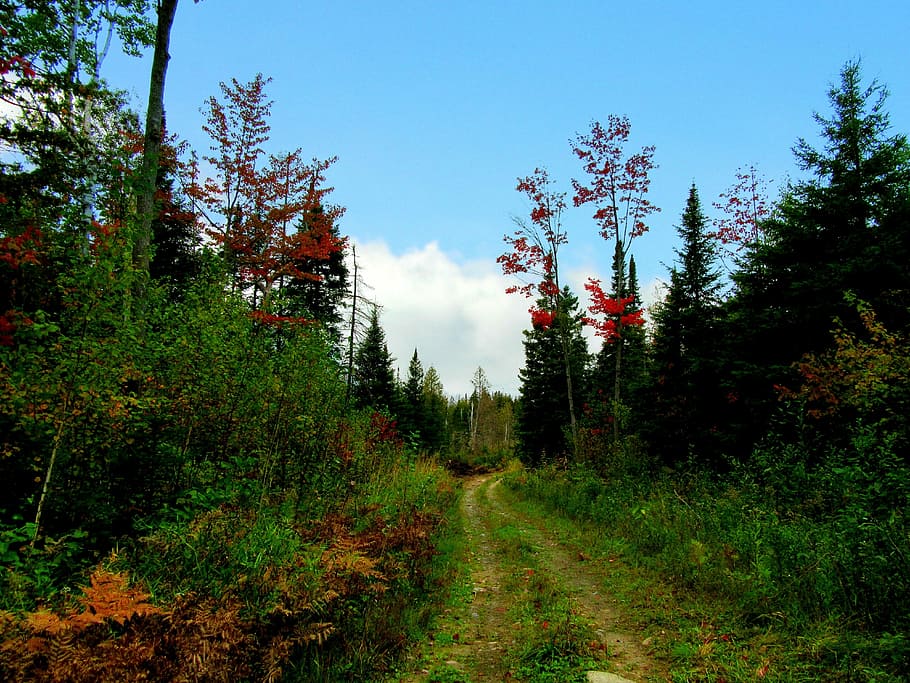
(473, 640)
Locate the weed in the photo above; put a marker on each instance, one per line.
(445, 673)
(751, 589)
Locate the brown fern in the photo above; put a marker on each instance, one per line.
(110, 597)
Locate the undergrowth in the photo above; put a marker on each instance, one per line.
(253, 593)
(752, 595)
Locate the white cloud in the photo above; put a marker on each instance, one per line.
(457, 315)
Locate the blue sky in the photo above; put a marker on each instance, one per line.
(434, 109)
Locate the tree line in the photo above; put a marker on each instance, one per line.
(776, 361)
(760, 306)
(202, 443)
(190, 372)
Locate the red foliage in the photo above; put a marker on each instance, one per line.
(746, 205)
(272, 320)
(7, 328)
(270, 217)
(383, 430)
(541, 319)
(18, 250)
(17, 63)
(533, 249)
(616, 312)
(618, 185)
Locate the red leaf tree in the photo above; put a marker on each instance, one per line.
(746, 206)
(533, 257)
(617, 187)
(269, 214)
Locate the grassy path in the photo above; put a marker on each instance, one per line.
(529, 606)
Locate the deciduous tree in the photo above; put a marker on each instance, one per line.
(617, 187)
(253, 200)
(534, 259)
(746, 207)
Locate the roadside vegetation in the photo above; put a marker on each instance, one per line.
(730, 586)
(212, 472)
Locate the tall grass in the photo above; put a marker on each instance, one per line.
(727, 538)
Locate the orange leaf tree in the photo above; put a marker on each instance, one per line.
(268, 213)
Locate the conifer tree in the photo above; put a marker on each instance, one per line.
(632, 370)
(411, 409)
(374, 378)
(845, 229)
(544, 421)
(175, 259)
(435, 408)
(685, 386)
(322, 293)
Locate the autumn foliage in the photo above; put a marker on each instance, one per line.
(269, 213)
(617, 313)
(745, 206)
(863, 375)
(533, 255)
(267, 615)
(617, 184)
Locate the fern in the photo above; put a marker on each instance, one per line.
(110, 597)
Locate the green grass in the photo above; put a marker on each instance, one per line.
(556, 644)
(712, 576)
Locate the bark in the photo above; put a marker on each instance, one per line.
(154, 124)
(350, 378)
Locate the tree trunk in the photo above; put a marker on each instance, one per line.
(564, 323)
(617, 380)
(569, 392)
(350, 378)
(154, 124)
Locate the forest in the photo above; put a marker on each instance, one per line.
(212, 472)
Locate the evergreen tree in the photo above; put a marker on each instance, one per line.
(683, 405)
(175, 236)
(411, 409)
(600, 408)
(845, 229)
(543, 417)
(435, 406)
(374, 377)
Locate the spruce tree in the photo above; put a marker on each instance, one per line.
(176, 240)
(374, 377)
(411, 411)
(685, 386)
(435, 409)
(544, 419)
(844, 229)
(632, 370)
(322, 294)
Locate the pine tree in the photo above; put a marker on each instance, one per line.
(845, 229)
(685, 385)
(374, 377)
(543, 417)
(435, 408)
(411, 410)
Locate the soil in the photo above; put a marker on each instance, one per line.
(474, 636)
